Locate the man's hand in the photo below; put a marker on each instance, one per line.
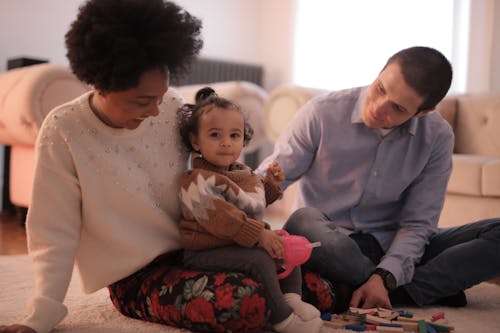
(371, 294)
(16, 329)
(272, 242)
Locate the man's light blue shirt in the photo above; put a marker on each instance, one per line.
(391, 186)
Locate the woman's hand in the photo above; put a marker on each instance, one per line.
(272, 242)
(16, 329)
(275, 174)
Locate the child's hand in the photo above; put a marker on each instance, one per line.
(272, 242)
(275, 174)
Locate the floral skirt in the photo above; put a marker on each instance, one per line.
(164, 292)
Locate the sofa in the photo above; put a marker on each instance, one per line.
(27, 95)
(473, 190)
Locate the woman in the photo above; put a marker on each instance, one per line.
(106, 180)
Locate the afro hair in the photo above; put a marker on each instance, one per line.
(112, 42)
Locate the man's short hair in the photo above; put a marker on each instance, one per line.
(427, 71)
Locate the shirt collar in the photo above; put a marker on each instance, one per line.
(358, 107)
(409, 126)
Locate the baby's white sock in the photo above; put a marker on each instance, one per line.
(294, 324)
(302, 309)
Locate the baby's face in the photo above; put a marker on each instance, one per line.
(220, 137)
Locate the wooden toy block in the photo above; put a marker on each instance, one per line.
(362, 311)
(388, 329)
(353, 319)
(413, 319)
(385, 314)
(406, 314)
(430, 329)
(393, 316)
(442, 321)
(437, 315)
(407, 325)
(422, 327)
(334, 324)
(376, 320)
(384, 309)
(441, 327)
(365, 320)
(355, 327)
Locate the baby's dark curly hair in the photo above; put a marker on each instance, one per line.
(112, 42)
(188, 115)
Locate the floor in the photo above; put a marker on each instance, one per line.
(12, 234)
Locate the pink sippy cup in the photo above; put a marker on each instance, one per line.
(297, 251)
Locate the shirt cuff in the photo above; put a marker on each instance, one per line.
(394, 266)
(44, 314)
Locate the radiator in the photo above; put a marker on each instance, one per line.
(211, 70)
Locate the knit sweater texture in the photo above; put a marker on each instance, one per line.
(223, 207)
(105, 199)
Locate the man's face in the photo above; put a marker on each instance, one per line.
(390, 101)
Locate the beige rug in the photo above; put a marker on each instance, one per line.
(95, 313)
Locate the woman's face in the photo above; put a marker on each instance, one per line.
(128, 108)
(220, 136)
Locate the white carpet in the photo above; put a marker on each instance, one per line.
(95, 313)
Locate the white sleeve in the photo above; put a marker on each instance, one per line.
(53, 228)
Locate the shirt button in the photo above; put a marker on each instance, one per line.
(375, 173)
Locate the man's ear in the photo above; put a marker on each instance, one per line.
(423, 112)
(194, 141)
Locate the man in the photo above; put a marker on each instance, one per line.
(373, 165)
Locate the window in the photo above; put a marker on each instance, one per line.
(342, 44)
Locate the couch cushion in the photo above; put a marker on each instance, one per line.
(478, 124)
(475, 175)
(284, 102)
(448, 110)
(27, 94)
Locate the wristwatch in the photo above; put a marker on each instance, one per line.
(389, 280)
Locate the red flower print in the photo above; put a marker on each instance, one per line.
(312, 281)
(155, 308)
(173, 277)
(252, 310)
(235, 326)
(224, 297)
(249, 282)
(145, 285)
(171, 315)
(324, 299)
(199, 310)
(190, 274)
(219, 278)
(120, 291)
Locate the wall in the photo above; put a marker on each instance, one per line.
(495, 54)
(251, 31)
(242, 30)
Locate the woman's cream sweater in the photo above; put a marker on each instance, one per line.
(105, 199)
